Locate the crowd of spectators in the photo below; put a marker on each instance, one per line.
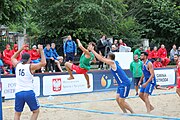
(159, 57)
(50, 52)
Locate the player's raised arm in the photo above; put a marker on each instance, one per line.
(82, 48)
(13, 58)
(101, 58)
(42, 63)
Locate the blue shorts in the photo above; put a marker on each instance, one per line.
(69, 57)
(123, 91)
(26, 97)
(148, 89)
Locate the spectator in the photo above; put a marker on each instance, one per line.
(157, 63)
(7, 58)
(101, 45)
(173, 52)
(136, 69)
(116, 43)
(15, 49)
(26, 49)
(114, 48)
(138, 51)
(35, 55)
(154, 54)
(122, 43)
(179, 51)
(162, 53)
(2, 69)
(70, 49)
(149, 53)
(58, 59)
(50, 66)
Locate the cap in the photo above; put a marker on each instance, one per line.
(25, 57)
(34, 46)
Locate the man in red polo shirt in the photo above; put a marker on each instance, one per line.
(176, 59)
(162, 53)
(154, 54)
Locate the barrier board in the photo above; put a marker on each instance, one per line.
(9, 84)
(165, 76)
(59, 84)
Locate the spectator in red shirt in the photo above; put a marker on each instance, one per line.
(157, 63)
(7, 57)
(35, 55)
(122, 43)
(162, 53)
(15, 49)
(149, 53)
(26, 49)
(154, 54)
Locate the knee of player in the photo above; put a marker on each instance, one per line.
(121, 101)
(36, 111)
(66, 64)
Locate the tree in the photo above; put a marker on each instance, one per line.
(12, 11)
(160, 18)
(85, 19)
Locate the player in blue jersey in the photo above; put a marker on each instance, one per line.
(121, 78)
(147, 80)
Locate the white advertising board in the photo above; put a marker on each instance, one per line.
(124, 59)
(9, 85)
(165, 76)
(59, 84)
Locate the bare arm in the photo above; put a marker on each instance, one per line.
(101, 58)
(94, 60)
(82, 48)
(151, 70)
(13, 58)
(42, 63)
(141, 79)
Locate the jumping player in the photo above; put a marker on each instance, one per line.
(24, 83)
(148, 81)
(84, 65)
(121, 78)
(176, 59)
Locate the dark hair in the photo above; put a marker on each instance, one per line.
(104, 35)
(111, 56)
(176, 54)
(145, 53)
(93, 44)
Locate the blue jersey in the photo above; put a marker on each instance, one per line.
(147, 73)
(120, 76)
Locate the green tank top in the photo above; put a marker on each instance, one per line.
(85, 62)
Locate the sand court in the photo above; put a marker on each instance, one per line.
(100, 106)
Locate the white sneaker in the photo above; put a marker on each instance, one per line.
(50, 71)
(54, 71)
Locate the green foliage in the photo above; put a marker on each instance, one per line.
(160, 18)
(84, 19)
(13, 10)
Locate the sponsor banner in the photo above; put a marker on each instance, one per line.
(165, 76)
(104, 80)
(59, 84)
(9, 85)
